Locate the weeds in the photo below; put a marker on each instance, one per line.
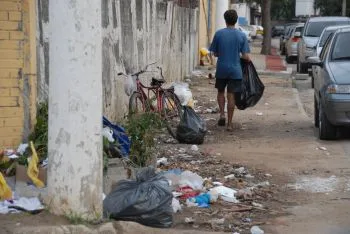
(142, 129)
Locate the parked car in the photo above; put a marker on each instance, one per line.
(259, 30)
(332, 85)
(310, 36)
(277, 30)
(250, 29)
(284, 38)
(293, 41)
(246, 32)
(324, 36)
(328, 31)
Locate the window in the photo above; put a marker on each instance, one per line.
(314, 29)
(326, 48)
(325, 36)
(341, 49)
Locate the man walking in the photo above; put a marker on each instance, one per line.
(229, 45)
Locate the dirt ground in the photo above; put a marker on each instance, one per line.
(308, 189)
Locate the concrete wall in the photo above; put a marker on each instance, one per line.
(135, 32)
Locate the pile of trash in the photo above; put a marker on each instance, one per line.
(214, 195)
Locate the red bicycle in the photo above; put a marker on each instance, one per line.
(154, 98)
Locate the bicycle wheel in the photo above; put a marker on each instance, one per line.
(172, 112)
(136, 104)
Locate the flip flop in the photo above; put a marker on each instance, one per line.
(222, 121)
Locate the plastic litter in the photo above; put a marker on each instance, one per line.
(217, 221)
(204, 200)
(192, 180)
(5, 190)
(187, 192)
(30, 205)
(108, 133)
(119, 135)
(22, 148)
(229, 177)
(192, 128)
(189, 220)
(226, 194)
(252, 87)
(176, 205)
(184, 94)
(162, 161)
(148, 200)
(130, 85)
(256, 230)
(194, 148)
(33, 171)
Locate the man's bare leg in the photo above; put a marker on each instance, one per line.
(230, 110)
(221, 102)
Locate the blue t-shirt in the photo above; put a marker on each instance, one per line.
(228, 44)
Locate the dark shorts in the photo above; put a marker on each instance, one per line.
(233, 86)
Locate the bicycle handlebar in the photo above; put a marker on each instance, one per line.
(143, 71)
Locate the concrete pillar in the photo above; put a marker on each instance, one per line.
(221, 7)
(75, 109)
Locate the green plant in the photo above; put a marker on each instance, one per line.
(142, 129)
(40, 134)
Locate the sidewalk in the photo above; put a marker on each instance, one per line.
(270, 65)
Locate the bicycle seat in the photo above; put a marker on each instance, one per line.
(157, 82)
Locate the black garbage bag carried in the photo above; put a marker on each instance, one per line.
(146, 200)
(252, 87)
(192, 128)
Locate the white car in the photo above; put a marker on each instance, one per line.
(247, 33)
(250, 29)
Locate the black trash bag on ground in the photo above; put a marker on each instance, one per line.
(192, 128)
(146, 200)
(252, 87)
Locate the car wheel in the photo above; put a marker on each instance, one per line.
(288, 59)
(316, 113)
(326, 130)
(298, 67)
(303, 68)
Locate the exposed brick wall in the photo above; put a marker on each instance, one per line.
(11, 67)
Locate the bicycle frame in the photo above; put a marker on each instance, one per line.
(156, 90)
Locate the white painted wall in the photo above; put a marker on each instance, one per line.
(304, 7)
(243, 10)
(221, 7)
(135, 32)
(75, 109)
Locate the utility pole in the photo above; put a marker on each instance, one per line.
(344, 8)
(221, 8)
(75, 109)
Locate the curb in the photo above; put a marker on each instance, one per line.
(299, 103)
(118, 227)
(281, 74)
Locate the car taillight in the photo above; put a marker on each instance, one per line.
(295, 39)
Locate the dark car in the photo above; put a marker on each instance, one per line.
(277, 30)
(310, 36)
(332, 85)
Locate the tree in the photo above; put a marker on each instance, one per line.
(266, 23)
(331, 7)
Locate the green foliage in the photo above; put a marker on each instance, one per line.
(331, 7)
(142, 129)
(40, 133)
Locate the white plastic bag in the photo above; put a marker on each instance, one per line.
(130, 85)
(184, 94)
(188, 178)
